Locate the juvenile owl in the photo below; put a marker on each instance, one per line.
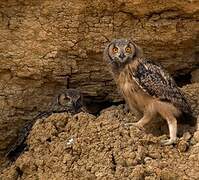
(70, 100)
(145, 86)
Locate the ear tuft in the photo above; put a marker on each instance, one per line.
(138, 50)
(106, 56)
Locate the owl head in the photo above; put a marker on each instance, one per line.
(71, 99)
(121, 51)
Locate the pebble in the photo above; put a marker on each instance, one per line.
(196, 136)
(147, 159)
(187, 136)
(183, 146)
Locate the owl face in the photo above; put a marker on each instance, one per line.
(71, 99)
(121, 51)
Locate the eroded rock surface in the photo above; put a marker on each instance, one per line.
(104, 147)
(48, 45)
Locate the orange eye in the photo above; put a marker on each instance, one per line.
(115, 49)
(128, 49)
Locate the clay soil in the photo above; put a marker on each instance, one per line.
(104, 147)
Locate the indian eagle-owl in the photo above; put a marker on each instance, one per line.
(145, 86)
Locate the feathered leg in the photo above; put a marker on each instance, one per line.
(168, 112)
(172, 123)
(148, 116)
(144, 120)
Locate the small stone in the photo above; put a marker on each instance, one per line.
(196, 136)
(99, 174)
(186, 136)
(183, 146)
(193, 141)
(155, 155)
(147, 159)
(51, 54)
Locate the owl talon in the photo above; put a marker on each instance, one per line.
(168, 142)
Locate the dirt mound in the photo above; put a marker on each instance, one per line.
(104, 147)
(48, 45)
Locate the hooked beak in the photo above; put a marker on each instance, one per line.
(77, 106)
(122, 55)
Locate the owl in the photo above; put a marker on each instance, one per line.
(70, 100)
(146, 87)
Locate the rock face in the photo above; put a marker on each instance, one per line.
(195, 76)
(48, 45)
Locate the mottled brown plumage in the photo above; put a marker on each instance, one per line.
(146, 87)
(152, 79)
(69, 100)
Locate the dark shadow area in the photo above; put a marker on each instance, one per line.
(94, 105)
(182, 79)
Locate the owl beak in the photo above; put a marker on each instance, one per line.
(122, 55)
(76, 106)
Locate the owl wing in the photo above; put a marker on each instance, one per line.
(156, 82)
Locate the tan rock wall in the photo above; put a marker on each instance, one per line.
(48, 45)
